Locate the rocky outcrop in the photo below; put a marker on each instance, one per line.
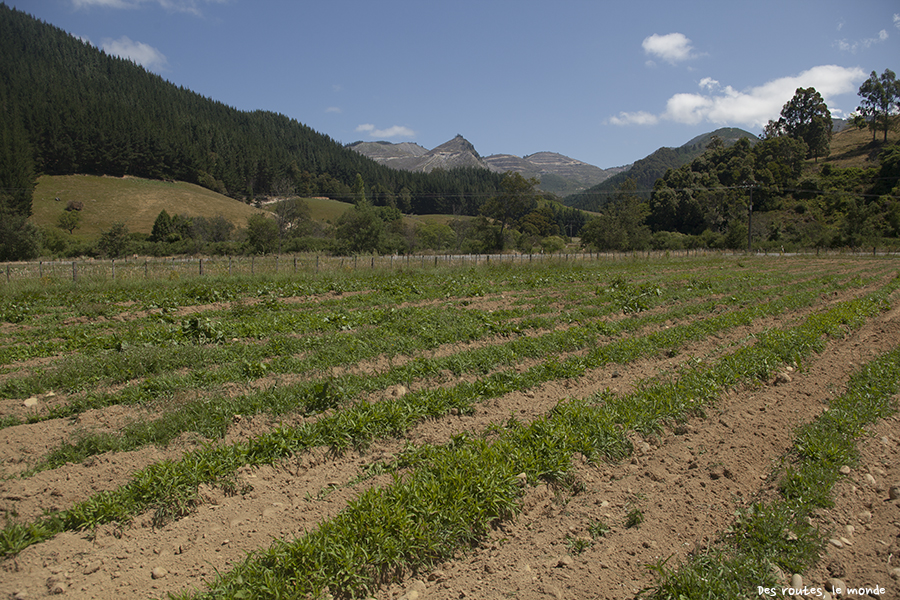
(552, 163)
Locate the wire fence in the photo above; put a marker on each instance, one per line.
(131, 268)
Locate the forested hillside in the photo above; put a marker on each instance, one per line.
(765, 196)
(68, 107)
(644, 172)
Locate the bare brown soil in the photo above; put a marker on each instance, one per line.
(687, 483)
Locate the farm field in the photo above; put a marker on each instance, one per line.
(597, 429)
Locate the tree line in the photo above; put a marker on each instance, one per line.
(518, 218)
(711, 201)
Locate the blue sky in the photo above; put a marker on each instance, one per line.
(602, 82)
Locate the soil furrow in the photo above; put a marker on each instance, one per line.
(686, 482)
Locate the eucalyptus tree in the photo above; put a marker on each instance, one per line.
(880, 97)
(805, 117)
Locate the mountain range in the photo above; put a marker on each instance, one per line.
(557, 173)
(581, 185)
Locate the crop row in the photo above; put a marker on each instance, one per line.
(153, 352)
(747, 554)
(211, 417)
(171, 486)
(445, 497)
(256, 320)
(256, 309)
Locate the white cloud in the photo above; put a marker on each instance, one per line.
(688, 108)
(390, 132)
(750, 108)
(182, 6)
(709, 83)
(104, 3)
(882, 36)
(897, 21)
(635, 118)
(754, 107)
(672, 48)
(333, 109)
(143, 54)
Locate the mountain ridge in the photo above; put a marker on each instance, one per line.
(558, 173)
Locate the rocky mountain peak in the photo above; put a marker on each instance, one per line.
(458, 145)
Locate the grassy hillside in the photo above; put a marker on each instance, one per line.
(853, 147)
(137, 202)
(326, 210)
(131, 200)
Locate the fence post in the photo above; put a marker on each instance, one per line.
(113, 268)
(295, 264)
(41, 269)
(74, 274)
(7, 273)
(201, 267)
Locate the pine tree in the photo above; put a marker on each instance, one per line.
(162, 227)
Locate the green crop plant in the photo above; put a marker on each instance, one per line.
(539, 448)
(201, 330)
(629, 297)
(211, 421)
(598, 529)
(359, 423)
(577, 545)
(542, 449)
(634, 517)
(780, 533)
